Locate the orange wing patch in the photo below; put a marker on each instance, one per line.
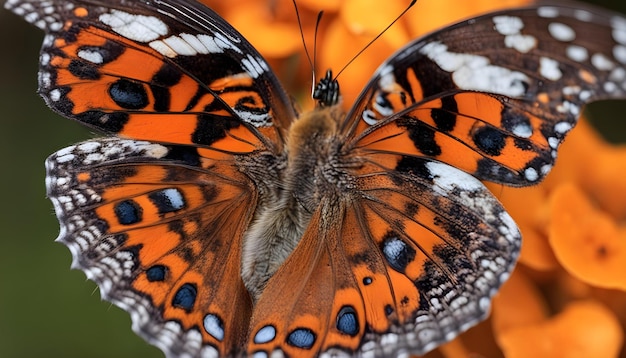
(474, 132)
(89, 80)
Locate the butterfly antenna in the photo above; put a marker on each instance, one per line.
(306, 50)
(317, 26)
(376, 38)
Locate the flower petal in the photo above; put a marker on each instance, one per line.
(519, 303)
(582, 329)
(587, 241)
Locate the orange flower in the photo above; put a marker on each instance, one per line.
(587, 241)
(583, 328)
(575, 247)
(347, 27)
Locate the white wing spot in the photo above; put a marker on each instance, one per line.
(162, 48)
(369, 117)
(609, 87)
(448, 178)
(618, 74)
(553, 142)
(577, 53)
(91, 56)
(180, 46)
(55, 95)
(474, 72)
(562, 127)
(175, 198)
(549, 68)
(254, 66)
(548, 12)
(561, 32)
(521, 43)
(522, 130)
(601, 62)
(139, 28)
(265, 334)
(571, 90)
(531, 174)
(213, 326)
(619, 29)
(508, 25)
(194, 41)
(583, 15)
(619, 52)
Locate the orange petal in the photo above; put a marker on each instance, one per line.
(586, 241)
(518, 304)
(272, 38)
(427, 16)
(528, 208)
(355, 76)
(583, 329)
(370, 17)
(454, 349)
(318, 5)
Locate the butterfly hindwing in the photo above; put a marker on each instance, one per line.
(146, 222)
(535, 67)
(408, 262)
(190, 68)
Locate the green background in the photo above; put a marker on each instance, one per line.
(46, 309)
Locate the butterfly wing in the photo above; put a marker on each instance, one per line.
(495, 95)
(407, 265)
(153, 226)
(157, 220)
(165, 71)
(413, 255)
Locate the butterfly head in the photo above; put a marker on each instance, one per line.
(326, 92)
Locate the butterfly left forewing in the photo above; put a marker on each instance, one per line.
(165, 71)
(494, 95)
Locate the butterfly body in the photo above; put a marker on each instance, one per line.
(229, 225)
(315, 169)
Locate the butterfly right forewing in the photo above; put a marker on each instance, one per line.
(495, 95)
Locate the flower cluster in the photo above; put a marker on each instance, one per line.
(567, 296)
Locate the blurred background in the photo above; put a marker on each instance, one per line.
(46, 309)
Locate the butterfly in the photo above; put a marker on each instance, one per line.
(228, 224)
